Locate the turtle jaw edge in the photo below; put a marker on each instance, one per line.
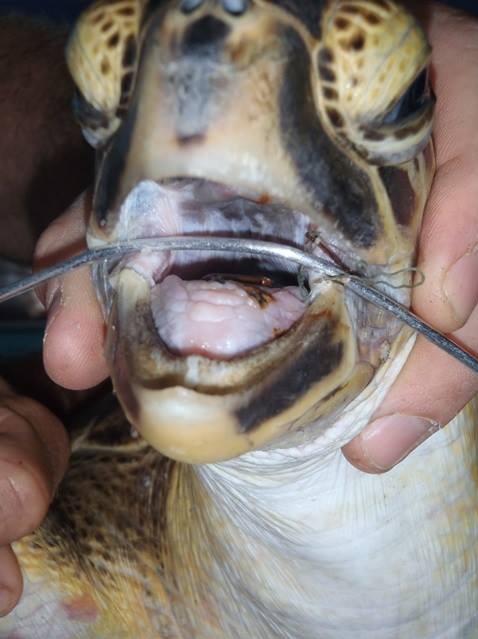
(196, 408)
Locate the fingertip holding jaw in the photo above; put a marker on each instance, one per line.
(74, 336)
(73, 354)
(387, 440)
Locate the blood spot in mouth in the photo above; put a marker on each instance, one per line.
(262, 297)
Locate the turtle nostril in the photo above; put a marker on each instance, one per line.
(235, 7)
(188, 6)
(204, 35)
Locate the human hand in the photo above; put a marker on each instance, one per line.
(33, 458)
(432, 385)
(73, 349)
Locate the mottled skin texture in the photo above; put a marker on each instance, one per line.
(135, 544)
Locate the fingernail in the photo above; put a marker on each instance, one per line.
(461, 286)
(5, 601)
(388, 440)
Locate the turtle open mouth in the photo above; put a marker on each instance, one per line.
(220, 306)
(213, 354)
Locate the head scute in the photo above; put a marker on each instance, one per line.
(102, 56)
(368, 62)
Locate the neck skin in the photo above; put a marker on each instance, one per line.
(298, 543)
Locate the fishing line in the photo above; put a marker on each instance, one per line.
(356, 283)
(417, 281)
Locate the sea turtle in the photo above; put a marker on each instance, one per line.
(234, 514)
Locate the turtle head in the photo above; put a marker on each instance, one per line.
(306, 123)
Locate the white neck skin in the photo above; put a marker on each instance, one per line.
(328, 551)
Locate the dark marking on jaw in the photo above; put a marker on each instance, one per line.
(400, 192)
(319, 359)
(112, 168)
(334, 183)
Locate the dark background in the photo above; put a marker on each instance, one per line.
(66, 10)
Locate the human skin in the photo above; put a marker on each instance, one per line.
(40, 142)
(430, 390)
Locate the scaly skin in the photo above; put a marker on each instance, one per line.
(291, 543)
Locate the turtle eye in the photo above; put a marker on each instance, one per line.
(101, 56)
(411, 102)
(372, 88)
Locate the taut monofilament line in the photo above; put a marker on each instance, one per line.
(359, 285)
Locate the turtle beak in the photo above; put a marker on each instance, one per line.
(198, 409)
(189, 126)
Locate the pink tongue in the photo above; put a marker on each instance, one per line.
(220, 319)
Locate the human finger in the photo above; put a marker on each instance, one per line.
(432, 388)
(74, 335)
(33, 458)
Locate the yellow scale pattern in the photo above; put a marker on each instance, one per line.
(101, 55)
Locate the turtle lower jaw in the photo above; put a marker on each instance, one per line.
(205, 405)
(197, 409)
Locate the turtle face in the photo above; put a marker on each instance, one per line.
(301, 122)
